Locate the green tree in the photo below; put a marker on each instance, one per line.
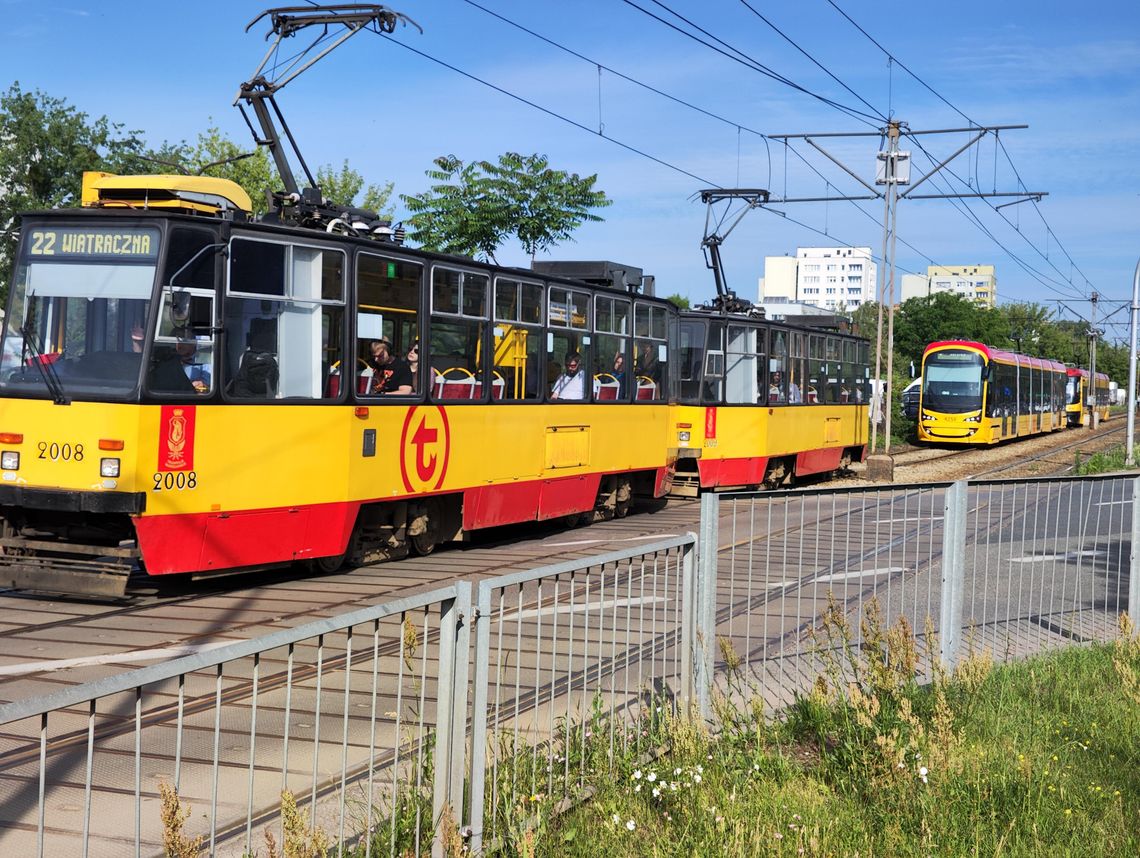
(473, 208)
(681, 301)
(45, 147)
(343, 187)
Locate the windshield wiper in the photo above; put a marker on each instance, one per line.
(46, 368)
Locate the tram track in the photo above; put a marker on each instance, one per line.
(373, 582)
(302, 586)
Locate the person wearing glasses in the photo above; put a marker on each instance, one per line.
(414, 364)
(571, 385)
(389, 374)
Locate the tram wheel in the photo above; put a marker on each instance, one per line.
(328, 565)
(423, 544)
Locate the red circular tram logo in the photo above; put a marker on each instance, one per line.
(425, 445)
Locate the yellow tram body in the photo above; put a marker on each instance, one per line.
(975, 394)
(761, 403)
(1080, 402)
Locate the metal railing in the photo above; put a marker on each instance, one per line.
(347, 713)
(574, 664)
(1047, 562)
(387, 720)
(791, 556)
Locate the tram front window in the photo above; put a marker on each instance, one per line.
(81, 295)
(952, 382)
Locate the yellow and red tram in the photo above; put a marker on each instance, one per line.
(185, 390)
(761, 403)
(1080, 402)
(173, 393)
(975, 394)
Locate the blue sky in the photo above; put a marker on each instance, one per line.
(1071, 72)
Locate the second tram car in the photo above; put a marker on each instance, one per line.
(1078, 399)
(975, 394)
(761, 403)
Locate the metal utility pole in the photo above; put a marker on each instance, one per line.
(892, 171)
(1129, 459)
(892, 179)
(1093, 418)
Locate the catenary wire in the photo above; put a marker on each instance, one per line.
(740, 57)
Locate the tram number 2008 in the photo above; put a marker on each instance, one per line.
(171, 481)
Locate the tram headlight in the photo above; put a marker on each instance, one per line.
(10, 460)
(108, 467)
(683, 437)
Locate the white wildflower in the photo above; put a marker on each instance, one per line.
(637, 775)
(630, 824)
(651, 777)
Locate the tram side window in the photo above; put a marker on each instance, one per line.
(714, 365)
(455, 337)
(182, 358)
(652, 352)
(567, 341)
(276, 294)
(690, 360)
(518, 340)
(797, 388)
(778, 368)
(1000, 400)
(611, 368)
(817, 388)
(387, 310)
(861, 386)
(742, 360)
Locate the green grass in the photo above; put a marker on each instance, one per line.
(1103, 462)
(1036, 758)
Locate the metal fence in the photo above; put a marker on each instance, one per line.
(1005, 567)
(574, 664)
(1047, 562)
(386, 721)
(792, 555)
(354, 715)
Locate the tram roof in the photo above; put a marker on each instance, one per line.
(1000, 355)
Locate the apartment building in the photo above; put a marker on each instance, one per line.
(834, 278)
(977, 283)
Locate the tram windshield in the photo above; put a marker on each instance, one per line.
(952, 381)
(77, 312)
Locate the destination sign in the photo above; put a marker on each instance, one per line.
(73, 241)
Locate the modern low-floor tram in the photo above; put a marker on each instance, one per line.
(975, 394)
